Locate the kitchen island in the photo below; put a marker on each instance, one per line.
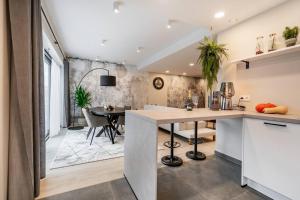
(140, 153)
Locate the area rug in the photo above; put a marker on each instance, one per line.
(76, 149)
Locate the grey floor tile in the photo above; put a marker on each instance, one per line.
(212, 179)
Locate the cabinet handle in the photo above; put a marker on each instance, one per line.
(272, 124)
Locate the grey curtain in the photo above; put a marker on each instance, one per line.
(26, 109)
(66, 93)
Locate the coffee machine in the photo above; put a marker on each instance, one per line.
(227, 92)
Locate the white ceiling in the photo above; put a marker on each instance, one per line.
(81, 25)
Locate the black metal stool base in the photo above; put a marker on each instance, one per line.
(197, 156)
(172, 162)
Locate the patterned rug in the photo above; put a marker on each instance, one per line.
(76, 149)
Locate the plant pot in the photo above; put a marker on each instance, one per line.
(291, 42)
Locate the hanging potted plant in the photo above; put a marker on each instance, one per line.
(210, 58)
(290, 35)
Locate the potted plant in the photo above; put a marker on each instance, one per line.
(210, 58)
(290, 35)
(83, 99)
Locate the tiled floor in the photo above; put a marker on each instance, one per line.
(212, 179)
(75, 177)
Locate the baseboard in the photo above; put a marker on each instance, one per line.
(229, 158)
(265, 191)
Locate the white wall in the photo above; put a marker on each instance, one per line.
(273, 80)
(4, 101)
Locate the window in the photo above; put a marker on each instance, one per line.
(47, 89)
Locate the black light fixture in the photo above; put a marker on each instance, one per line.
(105, 80)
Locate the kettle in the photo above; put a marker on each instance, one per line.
(227, 92)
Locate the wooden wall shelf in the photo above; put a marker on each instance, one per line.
(279, 52)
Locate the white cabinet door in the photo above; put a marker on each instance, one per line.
(272, 155)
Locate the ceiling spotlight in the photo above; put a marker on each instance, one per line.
(192, 64)
(183, 73)
(169, 25)
(219, 15)
(139, 49)
(103, 43)
(116, 7)
(167, 71)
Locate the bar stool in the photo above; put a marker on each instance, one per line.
(171, 160)
(196, 155)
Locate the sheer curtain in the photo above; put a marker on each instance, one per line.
(55, 98)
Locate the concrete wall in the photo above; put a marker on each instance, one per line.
(134, 87)
(4, 101)
(273, 80)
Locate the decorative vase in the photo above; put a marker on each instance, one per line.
(291, 42)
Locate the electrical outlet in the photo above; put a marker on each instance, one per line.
(245, 98)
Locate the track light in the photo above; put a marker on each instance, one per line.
(170, 23)
(116, 7)
(103, 43)
(139, 49)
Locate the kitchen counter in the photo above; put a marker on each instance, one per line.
(141, 128)
(181, 115)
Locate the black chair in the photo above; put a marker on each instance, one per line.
(171, 160)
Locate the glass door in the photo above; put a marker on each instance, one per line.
(47, 89)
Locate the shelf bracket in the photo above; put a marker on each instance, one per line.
(247, 63)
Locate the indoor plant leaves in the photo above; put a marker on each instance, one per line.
(210, 58)
(82, 97)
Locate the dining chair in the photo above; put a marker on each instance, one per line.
(121, 119)
(94, 122)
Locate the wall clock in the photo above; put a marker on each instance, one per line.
(158, 83)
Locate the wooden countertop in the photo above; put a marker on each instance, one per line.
(181, 115)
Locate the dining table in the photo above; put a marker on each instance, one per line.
(112, 116)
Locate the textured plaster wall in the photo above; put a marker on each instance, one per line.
(178, 90)
(133, 87)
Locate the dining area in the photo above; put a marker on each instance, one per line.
(99, 137)
(109, 119)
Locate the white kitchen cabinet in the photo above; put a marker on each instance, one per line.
(271, 155)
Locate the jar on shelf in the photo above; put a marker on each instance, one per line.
(259, 45)
(272, 45)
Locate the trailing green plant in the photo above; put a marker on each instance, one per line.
(290, 33)
(210, 58)
(82, 97)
